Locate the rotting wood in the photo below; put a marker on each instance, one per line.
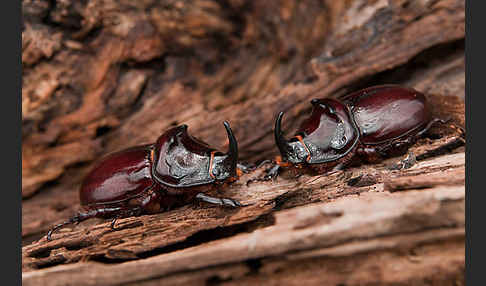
(98, 76)
(62, 201)
(346, 227)
(140, 235)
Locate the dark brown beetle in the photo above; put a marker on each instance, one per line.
(152, 178)
(367, 125)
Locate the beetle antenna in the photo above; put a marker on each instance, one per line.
(233, 145)
(279, 138)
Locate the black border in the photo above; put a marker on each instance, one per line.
(11, 79)
(468, 105)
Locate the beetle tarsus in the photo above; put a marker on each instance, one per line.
(112, 224)
(406, 163)
(246, 167)
(79, 217)
(73, 220)
(52, 230)
(409, 161)
(272, 173)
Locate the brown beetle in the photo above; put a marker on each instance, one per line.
(367, 125)
(152, 178)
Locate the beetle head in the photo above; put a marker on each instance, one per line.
(181, 160)
(327, 135)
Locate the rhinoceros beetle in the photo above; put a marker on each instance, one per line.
(367, 125)
(152, 178)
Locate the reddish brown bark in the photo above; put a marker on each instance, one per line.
(99, 76)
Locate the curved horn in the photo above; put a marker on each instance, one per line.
(233, 145)
(280, 140)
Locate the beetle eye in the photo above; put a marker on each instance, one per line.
(216, 172)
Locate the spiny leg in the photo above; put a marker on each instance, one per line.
(125, 213)
(271, 172)
(218, 201)
(264, 162)
(149, 202)
(406, 163)
(113, 221)
(409, 161)
(411, 158)
(431, 123)
(246, 167)
(81, 216)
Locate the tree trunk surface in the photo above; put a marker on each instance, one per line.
(103, 75)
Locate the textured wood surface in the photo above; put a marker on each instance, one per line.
(99, 76)
(374, 223)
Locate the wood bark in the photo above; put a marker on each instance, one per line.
(99, 76)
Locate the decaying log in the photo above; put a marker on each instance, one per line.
(101, 75)
(374, 225)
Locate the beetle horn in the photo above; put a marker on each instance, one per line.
(233, 146)
(279, 138)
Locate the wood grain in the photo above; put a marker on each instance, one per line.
(102, 75)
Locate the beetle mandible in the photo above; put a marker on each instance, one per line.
(367, 125)
(152, 178)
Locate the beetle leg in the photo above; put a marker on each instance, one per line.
(136, 211)
(409, 161)
(246, 167)
(369, 154)
(218, 201)
(431, 123)
(79, 217)
(267, 161)
(113, 221)
(406, 163)
(103, 212)
(272, 172)
(339, 167)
